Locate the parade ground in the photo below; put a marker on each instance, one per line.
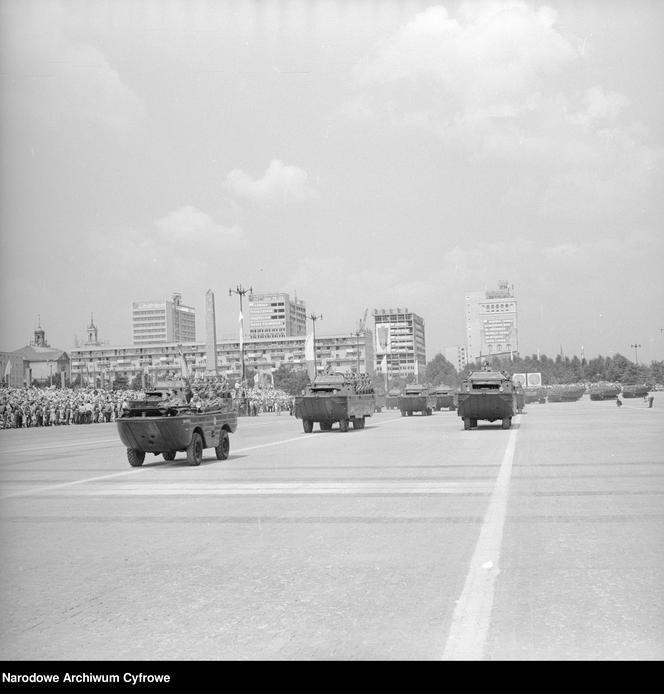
(410, 539)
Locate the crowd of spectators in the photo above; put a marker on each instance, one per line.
(43, 407)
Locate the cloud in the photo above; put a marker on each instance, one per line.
(190, 225)
(57, 79)
(281, 183)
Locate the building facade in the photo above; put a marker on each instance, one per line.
(274, 314)
(400, 338)
(457, 356)
(39, 363)
(160, 322)
(491, 323)
(105, 365)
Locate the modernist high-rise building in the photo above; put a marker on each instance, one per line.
(274, 314)
(155, 322)
(400, 338)
(491, 323)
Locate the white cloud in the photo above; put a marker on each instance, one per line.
(56, 79)
(191, 225)
(280, 183)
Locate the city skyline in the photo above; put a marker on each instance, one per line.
(358, 155)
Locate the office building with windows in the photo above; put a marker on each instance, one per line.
(274, 314)
(155, 322)
(400, 338)
(491, 323)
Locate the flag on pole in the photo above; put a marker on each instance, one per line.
(241, 321)
(383, 364)
(8, 368)
(183, 364)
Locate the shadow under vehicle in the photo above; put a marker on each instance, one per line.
(164, 422)
(445, 398)
(335, 398)
(416, 398)
(488, 395)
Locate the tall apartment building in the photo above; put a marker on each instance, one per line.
(273, 315)
(491, 323)
(155, 322)
(400, 337)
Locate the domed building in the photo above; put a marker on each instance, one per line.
(43, 363)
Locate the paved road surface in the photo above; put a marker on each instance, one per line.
(410, 539)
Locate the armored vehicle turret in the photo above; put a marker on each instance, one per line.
(488, 395)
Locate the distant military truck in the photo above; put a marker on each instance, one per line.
(168, 420)
(416, 398)
(487, 395)
(445, 397)
(335, 398)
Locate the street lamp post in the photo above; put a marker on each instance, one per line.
(636, 353)
(314, 318)
(240, 291)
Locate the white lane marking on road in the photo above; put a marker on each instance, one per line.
(472, 615)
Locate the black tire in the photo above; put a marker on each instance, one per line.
(195, 449)
(403, 413)
(466, 423)
(224, 447)
(507, 423)
(307, 425)
(473, 422)
(428, 411)
(410, 414)
(343, 425)
(169, 455)
(135, 457)
(325, 426)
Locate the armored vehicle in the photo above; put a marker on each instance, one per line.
(634, 391)
(170, 418)
(416, 398)
(487, 395)
(566, 393)
(392, 399)
(336, 397)
(604, 391)
(381, 401)
(445, 397)
(534, 394)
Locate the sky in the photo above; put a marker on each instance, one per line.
(361, 155)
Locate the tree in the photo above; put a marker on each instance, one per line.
(440, 371)
(291, 380)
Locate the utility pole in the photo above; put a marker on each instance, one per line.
(240, 291)
(636, 353)
(314, 318)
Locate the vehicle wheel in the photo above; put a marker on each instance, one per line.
(135, 457)
(428, 411)
(466, 423)
(169, 455)
(507, 422)
(403, 413)
(343, 425)
(473, 422)
(325, 426)
(195, 449)
(307, 425)
(224, 447)
(410, 414)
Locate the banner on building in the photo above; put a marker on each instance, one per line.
(382, 338)
(8, 368)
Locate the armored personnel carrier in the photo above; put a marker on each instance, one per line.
(570, 392)
(488, 395)
(336, 397)
(635, 391)
(416, 398)
(604, 391)
(445, 397)
(534, 394)
(392, 399)
(170, 418)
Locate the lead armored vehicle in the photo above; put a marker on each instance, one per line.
(170, 418)
(488, 395)
(336, 397)
(416, 398)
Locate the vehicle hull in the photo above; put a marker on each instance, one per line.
(486, 405)
(416, 403)
(334, 408)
